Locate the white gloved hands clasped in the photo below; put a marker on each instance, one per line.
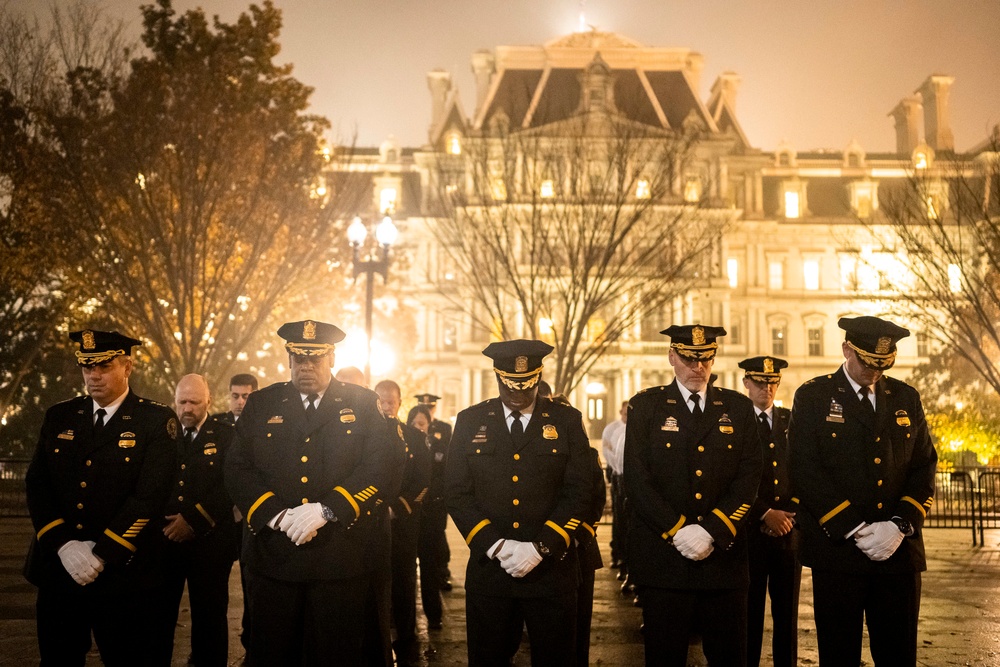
(79, 560)
(519, 560)
(879, 540)
(694, 542)
(302, 523)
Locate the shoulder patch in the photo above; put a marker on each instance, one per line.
(172, 428)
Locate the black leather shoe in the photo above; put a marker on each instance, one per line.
(447, 586)
(434, 625)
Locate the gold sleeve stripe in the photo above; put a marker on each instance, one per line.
(120, 540)
(420, 496)
(554, 526)
(795, 500)
(729, 524)
(913, 502)
(835, 511)
(342, 491)
(258, 503)
(593, 531)
(211, 521)
(479, 526)
(928, 503)
(406, 505)
(677, 526)
(49, 526)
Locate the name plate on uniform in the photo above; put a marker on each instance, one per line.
(276, 419)
(836, 412)
(549, 432)
(66, 435)
(209, 449)
(902, 418)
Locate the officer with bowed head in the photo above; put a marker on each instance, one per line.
(691, 468)
(311, 461)
(96, 488)
(863, 468)
(518, 485)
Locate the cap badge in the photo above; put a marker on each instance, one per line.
(768, 365)
(697, 336)
(521, 364)
(309, 330)
(88, 340)
(884, 343)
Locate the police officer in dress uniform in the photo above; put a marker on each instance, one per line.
(311, 460)
(199, 539)
(96, 489)
(434, 523)
(692, 467)
(771, 534)
(405, 511)
(863, 468)
(241, 386)
(518, 486)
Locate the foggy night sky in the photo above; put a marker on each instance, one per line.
(816, 73)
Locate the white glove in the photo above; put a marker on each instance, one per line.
(524, 559)
(879, 540)
(303, 522)
(79, 560)
(502, 549)
(693, 542)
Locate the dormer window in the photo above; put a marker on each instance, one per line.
(453, 144)
(387, 201)
(923, 157)
(920, 160)
(792, 204)
(793, 198)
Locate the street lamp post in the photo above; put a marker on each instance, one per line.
(374, 262)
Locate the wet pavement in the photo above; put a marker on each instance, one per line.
(959, 614)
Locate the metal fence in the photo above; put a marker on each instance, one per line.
(12, 498)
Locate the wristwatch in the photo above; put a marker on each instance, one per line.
(543, 550)
(328, 514)
(905, 527)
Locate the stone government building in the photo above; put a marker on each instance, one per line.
(797, 254)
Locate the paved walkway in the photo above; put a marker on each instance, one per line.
(959, 616)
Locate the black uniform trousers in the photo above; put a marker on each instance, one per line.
(493, 622)
(205, 564)
(619, 520)
(433, 559)
(890, 603)
(774, 570)
(671, 616)
(584, 613)
(66, 615)
(405, 533)
(294, 623)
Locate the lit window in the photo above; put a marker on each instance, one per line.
(733, 271)
(451, 189)
(498, 188)
(449, 337)
(864, 206)
(547, 190)
(810, 274)
(595, 409)
(778, 340)
(642, 189)
(954, 278)
(815, 337)
(791, 204)
(596, 327)
(932, 208)
(387, 201)
(692, 190)
(920, 161)
(776, 275)
(454, 144)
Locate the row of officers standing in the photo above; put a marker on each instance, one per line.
(321, 482)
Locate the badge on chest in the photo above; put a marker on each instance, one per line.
(836, 414)
(670, 424)
(127, 440)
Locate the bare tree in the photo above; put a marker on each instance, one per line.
(574, 232)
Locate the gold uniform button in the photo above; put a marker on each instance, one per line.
(79, 506)
(517, 525)
(774, 463)
(833, 435)
(516, 501)
(775, 481)
(555, 451)
(697, 496)
(305, 459)
(79, 526)
(269, 435)
(701, 518)
(879, 505)
(305, 500)
(83, 485)
(697, 472)
(183, 466)
(701, 448)
(880, 482)
(348, 431)
(668, 445)
(776, 498)
(878, 439)
(514, 478)
(127, 459)
(308, 439)
(771, 445)
(56, 450)
(729, 446)
(479, 451)
(304, 479)
(180, 483)
(89, 462)
(517, 457)
(180, 498)
(878, 460)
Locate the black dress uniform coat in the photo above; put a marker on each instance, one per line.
(679, 470)
(343, 457)
(849, 467)
(538, 491)
(589, 557)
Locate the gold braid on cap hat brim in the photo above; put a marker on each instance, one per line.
(94, 358)
(766, 378)
(698, 352)
(873, 359)
(309, 349)
(519, 381)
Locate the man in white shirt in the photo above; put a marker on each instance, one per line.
(612, 444)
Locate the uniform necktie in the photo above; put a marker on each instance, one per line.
(516, 427)
(696, 410)
(765, 424)
(866, 400)
(100, 419)
(311, 400)
(189, 434)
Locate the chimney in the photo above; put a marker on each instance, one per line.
(483, 67)
(439, 83)
(907, 117)
(937, 125)
(727, 85)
